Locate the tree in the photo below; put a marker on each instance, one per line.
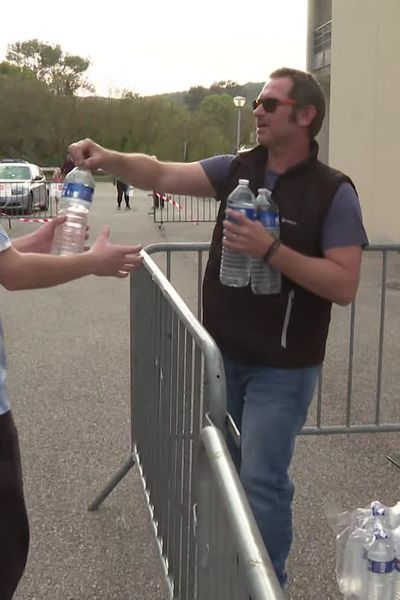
(63, 73)
(194, 96)
(9, 70)
(226, 87)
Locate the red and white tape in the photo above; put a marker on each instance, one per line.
(164, 198)
(38, 220)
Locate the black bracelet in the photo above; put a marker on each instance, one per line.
(271, 250)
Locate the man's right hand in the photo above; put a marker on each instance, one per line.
(89, 155)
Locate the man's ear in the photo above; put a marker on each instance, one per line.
(306, 115)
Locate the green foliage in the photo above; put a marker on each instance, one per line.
(9, 70)
(42, 112)
(63, 73)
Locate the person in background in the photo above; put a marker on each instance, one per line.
(57, 177)
(25, 264)
(56, 187)
(272, 346)
(122, 191)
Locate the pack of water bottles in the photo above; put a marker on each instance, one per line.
(368, 552)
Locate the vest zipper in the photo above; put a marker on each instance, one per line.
(287, 318)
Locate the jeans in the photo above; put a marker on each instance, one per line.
(269, 406)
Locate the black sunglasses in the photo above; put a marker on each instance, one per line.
(271, 104)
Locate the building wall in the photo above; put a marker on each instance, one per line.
(319, 12)
(364, 138)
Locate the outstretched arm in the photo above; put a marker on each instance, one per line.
(142, 171)
(21, 271)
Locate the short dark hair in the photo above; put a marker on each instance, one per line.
(306, 90)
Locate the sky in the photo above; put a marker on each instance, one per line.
(158, 46)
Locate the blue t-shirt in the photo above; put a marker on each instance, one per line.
(5, 243)
(343, 224)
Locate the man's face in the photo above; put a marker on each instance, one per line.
(273, 128)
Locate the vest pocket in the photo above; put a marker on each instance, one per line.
(286, 320)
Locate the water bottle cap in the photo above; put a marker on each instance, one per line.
(243, 182)
(378, 510)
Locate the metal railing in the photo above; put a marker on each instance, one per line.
(173, 208)
(346, 414)
(20, 201)
(207, 538)
(322, 42)
(178, 398)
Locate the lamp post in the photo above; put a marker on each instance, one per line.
(239, 102)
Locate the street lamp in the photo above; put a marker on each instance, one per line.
(239, 102)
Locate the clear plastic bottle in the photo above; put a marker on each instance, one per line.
(75, 203)
(395, 535)
(393, 514)
(354, 578)
(380, 565)
(264, 278)
(235, 266)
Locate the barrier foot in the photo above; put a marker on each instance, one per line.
(394, 459)
(114, 481)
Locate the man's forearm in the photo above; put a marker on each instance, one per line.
(139, 169)
(321, 276)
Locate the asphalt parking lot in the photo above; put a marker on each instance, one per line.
(68, 352)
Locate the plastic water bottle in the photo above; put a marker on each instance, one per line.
(264, 278)
(75, 203)
(235, 266)
(393, 515)
(395, 536)
(353, 579)
(381, 561)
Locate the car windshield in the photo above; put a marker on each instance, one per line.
(13, 172)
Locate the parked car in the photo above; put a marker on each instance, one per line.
(12, 160)
(22, 188)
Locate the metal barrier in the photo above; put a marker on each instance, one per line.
(178, 387)
(233, 562)
(207, 539)
(337, 406)
(24, 201)
(171, 208)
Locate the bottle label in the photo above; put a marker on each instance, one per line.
(397, 564)
(380, 567)
(270, 220)
(78, 191)
(246, 211)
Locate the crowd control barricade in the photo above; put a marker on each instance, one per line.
(362, 344)
(232, 560)
(174, 208)
(200, 515)
(29, 202)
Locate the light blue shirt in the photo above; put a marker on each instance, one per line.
(5, 243)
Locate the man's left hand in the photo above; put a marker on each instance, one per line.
(246, 236)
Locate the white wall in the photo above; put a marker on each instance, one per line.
(364, 127)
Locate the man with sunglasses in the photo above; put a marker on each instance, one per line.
(273, 346)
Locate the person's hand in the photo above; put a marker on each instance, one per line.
(114, 260)
(88, 154)
(246, 236)
(42, 239)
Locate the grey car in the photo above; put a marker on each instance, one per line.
(22, 188)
